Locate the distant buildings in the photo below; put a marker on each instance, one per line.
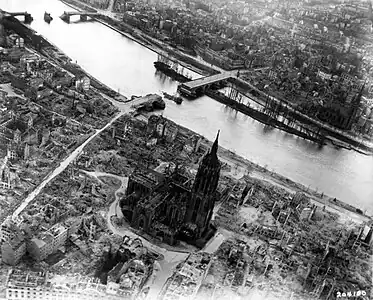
(323, 40)
(102, 4)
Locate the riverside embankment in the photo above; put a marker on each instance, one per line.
(144, 40)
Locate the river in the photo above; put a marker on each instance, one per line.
(127, 66)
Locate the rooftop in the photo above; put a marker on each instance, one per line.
(148, 178)
(47, 236)
(56, 230)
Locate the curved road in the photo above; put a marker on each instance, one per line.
(165, 267)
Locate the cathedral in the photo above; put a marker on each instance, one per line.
(170, 206)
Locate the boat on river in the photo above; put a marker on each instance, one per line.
(47, 17)
(170, 72)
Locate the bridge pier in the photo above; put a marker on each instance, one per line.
(83, 18)
(206, 87)
(28, 18)
(65, 17)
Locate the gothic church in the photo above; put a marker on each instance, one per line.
(171, 207)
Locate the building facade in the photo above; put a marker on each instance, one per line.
(13, 250)
(12, 241)
(48, 242)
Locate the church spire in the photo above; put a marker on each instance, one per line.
(214, 148)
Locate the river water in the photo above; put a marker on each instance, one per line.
(127, 66)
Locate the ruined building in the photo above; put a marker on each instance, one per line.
(18, 134)
(12, 241)
(169, 206)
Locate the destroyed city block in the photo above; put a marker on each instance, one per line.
(127, 150)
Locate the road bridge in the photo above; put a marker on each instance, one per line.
(28, 17)
(83, 15)
(198, 86)
(195, 87)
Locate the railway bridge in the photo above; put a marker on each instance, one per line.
(83, 15)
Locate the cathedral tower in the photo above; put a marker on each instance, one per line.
(201, 205)
(207, 177)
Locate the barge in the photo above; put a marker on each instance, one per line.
(167, 70)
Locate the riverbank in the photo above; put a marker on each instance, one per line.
(43, 46)
(265, 118)
(337, 137)
(277, 179)
(144, 40)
